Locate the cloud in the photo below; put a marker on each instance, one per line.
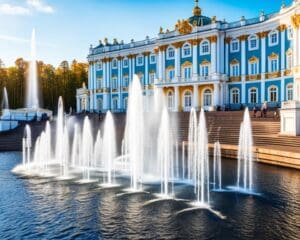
(9, 9)
(8, 38)
(30, 7)
(40, 6)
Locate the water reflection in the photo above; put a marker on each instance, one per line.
(45, 208)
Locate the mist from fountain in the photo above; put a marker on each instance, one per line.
(245, 155)
(134, 133)
(165, 154)
(5, 102)
(217, 167)
(109, 147)
(32, 97)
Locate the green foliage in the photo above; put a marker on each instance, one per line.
(53, 82)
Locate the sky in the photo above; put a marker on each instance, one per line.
(66, 28)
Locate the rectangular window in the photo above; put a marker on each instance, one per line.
(140, 61)
(274, 65)
(152, 59)
(253, 44)
(99, 83)
(234, 46)
(187, 73)
(125, 63)
(289, 61)
(126, 81)
(253, 68)
(152, 77)
(205, 71)
(235, 70)
(171, 74)
(114, 83)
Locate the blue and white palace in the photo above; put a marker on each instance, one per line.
(202, 62)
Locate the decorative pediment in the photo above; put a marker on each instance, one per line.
(289, 51)
(253, 59)
(151, 71)
(273, 56)
(205, 62)
(186, 64)
(183, 27)
(140, 74)
(234, 61)
(170, 68)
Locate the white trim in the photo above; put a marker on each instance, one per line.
(152, 55)
(250, 38)
(211, 95)
(286, 91)
(270, 38)
(270, 64)
(249, 95)
(231, 44)
(249, 67)
(114, 63)
(269, 94)
(169, 49)
(231, 95)
(290, 33)
(125, 60)
(201, 47)
(137, 60)
(182, 51)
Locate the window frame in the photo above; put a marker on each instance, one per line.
(184, 47)
(250, 93)
(270, 94)
(250, 39)
(274, 32)
(168, 53)
(232, 98)
(204, 42)
(231, 46)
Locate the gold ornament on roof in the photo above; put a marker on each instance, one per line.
(161, 30)
(295, 19)
(183, 27)
(197, 10)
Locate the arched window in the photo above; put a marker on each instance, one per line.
(207, 98)
(151, 77)
(290, 33)
(204, 48)
(235, 96)
(289, 59)
(115, 103)
(186, 50)
(289, 92)
(170, 100)
(253, 97)
(170, 53)
(187, 100)
(99, 104)
(273, 94)
(253, 42)
(140, 60)
(114, 64)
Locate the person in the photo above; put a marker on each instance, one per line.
(254, 111)
(265, 109)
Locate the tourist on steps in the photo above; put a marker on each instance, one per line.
(254, 111)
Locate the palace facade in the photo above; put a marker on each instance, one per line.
(202, 62)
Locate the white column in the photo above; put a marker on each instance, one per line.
(130, 69)
(296, 46)
(177, 99)
(218, 55)
(78, 104)
(222, 94)
(243, 70)
(120, 74)
(133, 67)
(177, 64)
(195, 61)
(227, 59)
(147, 70)
(263, 68)
(216, 94)
(94, 87)
(213, 51)
(90, 76)
(195, 97)
(164, 65)
(221, 53)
